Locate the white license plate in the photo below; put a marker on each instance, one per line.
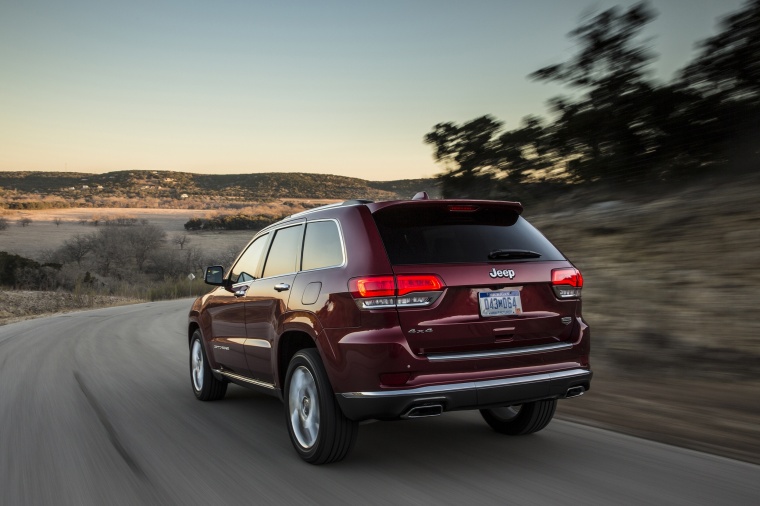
(500, 303)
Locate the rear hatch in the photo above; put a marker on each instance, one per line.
(500, 277)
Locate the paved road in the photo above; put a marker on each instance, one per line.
(96, 408)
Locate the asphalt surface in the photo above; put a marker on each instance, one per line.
(96, 408)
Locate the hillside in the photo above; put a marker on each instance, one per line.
(87, 190)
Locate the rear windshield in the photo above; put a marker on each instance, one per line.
(436, 235)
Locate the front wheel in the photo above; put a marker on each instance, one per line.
(205, 386)
(521, 419)
(318, 429)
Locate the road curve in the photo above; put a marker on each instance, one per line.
(96, 408)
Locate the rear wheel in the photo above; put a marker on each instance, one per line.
(520, 419)
(205, 386)
(318, 429)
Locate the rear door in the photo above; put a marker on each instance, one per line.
(267, 300)
(497, 272)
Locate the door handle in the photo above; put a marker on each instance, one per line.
(281, 287)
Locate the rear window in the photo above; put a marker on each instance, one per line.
(436, 235)
(321, 246)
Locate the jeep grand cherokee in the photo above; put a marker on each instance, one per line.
(386, 310)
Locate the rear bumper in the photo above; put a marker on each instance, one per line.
(392, 404)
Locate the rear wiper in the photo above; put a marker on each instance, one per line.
(512, 253)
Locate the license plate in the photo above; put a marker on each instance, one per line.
(500, 303)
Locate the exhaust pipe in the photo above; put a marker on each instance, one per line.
(423, 411)
(574, 392)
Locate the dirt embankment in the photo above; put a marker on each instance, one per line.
(670, 294)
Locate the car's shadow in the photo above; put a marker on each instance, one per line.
(461, 439)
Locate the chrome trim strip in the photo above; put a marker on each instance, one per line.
(472, 385)
(434, 298)
(258, 343)
(244, 378)
(514, 352)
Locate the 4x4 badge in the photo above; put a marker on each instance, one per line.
(502, 274)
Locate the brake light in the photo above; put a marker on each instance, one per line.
(405, 290)
(417, 283)
(567, 283)
(461, 208)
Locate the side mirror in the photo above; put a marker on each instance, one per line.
(214, 275)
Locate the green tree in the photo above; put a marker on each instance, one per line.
(726, 76)
(606, 133)
(468, 152)
(728, 64)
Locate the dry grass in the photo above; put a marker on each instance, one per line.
(670, 294)
(17, 305)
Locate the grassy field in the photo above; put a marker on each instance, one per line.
(43, 234)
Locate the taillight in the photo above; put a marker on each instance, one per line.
(567, 283)
(406, 283)
(376, 286)
(405, 290)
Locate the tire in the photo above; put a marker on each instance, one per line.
(318, 429)
(205, 386)
(521, 419)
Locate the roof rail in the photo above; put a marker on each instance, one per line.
(329, 206)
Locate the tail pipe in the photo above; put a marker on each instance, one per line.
(574, 392)
(424, 411)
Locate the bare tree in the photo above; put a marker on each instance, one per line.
(76, 248)
(143, 240)
(3, 223)
(180, 240)
(175, 264)
(109, 245)
(57, 220)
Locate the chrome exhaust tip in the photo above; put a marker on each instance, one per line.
(423, 411)
(574, 392)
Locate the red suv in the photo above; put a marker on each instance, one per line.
(386, 310)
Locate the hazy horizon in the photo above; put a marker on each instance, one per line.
(341, 88)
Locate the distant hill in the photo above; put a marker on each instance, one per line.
(179, 185)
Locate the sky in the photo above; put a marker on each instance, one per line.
(346, 87)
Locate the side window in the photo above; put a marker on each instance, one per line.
(321, 246)
(283, 253)
(245, 269)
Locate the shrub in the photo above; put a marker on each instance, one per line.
(20, 272)
(232, 222)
